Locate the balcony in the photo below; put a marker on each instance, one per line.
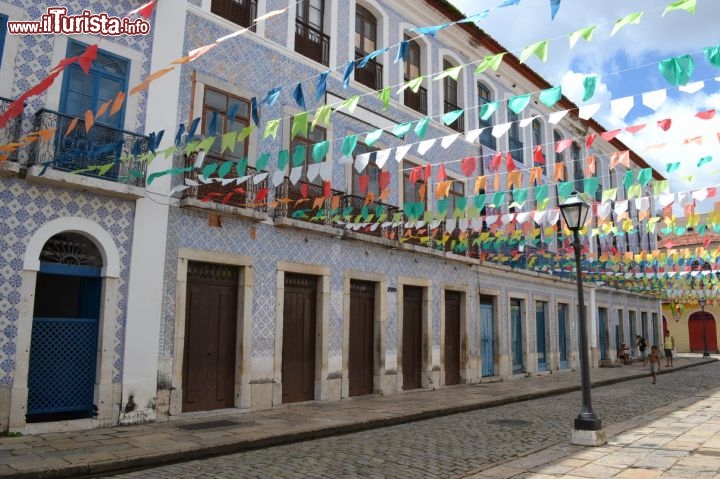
(459, 124)
(312, 43)
(241, 12)
(416, 101)
(104, 152)
(11, 132)
(353, 205)
(232, 194)
(371, 75)
(293, 202)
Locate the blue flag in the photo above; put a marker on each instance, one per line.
(348, 71)
(321, 85)
(402, 51)
(299, 97)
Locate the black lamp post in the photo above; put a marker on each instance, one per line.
(575, 213)
(701, 301)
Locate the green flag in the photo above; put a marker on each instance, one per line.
(539, 49)
(712, 54)
(490, 61)
(351, 103)
(498, 199)
(298, 158)
(661, 186)
(402, 129)
(349, 144)
(541, 193)
(487, 110)
(373, 136)
(586, 33)
(609, 195)
(590, 185)
(450, 117)
(633, 18)
(422, 127)
(262, 161)
(320, 150)
(384, 97)
(629, 178)
(704, 160)
(271, 129)
(322, 116)
(678, 70)
(645, 176)
(479, 201)
(634, 191)
(687, 5)
(550, 96)
(565, 189)
(299, 125)
(283, 159)
(518, 103)
(589, 83)
(670, 167)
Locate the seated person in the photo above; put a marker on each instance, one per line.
(623, 354)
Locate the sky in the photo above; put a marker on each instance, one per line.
(627, 65)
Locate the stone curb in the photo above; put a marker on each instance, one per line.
(165, 458)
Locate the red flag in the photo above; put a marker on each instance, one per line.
(415, 174)
(590, 140)
(384, 180)
(636, 128)
(146, 10)
(509, 162)
(609, 135)
(538, 154)
(665, 124)
(441, 175)
(497, 158)
(327, 189)
(428, 171)
(363, 182)
(89, 56)
(304, 190)
(468, 166)
(705, 115)
(563, 145)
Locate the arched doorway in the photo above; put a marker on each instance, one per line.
(63, 359)
(697, 331)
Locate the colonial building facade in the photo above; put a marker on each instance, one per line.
(126, 300)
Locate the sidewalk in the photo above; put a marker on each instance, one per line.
(191, 436)
(679, 440)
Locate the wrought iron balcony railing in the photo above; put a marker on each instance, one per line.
(243, 195)
(11, 132)
(459, 124)
(312, 43)
(297, 201)
(371, 75)
(354, 206)
(104, 152)
(416, 101)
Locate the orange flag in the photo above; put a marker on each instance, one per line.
(443, 189)
(71, 126)
(117, 103)
(480, 184)
(103, 108)
(536, 175)
(591, 165)
(514, 179)
(152, 77)
(89, 120)
(559, 171)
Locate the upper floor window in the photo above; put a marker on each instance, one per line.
(450, 95)
(372, 172)
(577, 167)
(242, 12)
(515, 142)
(557, 137)
(310, 38)
(3, 32)
(366, 39)
(413, 191)
(457, 191)
(413, 69)
(315, 136)
(80, 92)
(537, 133)
(217, 120)
(486, 138)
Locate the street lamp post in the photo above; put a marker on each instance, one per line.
(588, 427)
(702, 318)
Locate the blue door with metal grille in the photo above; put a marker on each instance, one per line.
(63, 349)
(540, 308)
(487, 342)
(562, 335)
(602, 333)
(518, 363)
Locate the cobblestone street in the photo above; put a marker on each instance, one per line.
(450, 446)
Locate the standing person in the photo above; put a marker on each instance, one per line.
(654, 363)
(668, 345)
(642, 346)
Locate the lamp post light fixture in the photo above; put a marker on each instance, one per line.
(702, 301)
(587, 429)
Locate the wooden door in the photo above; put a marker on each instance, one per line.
(452, 337)
(701, 328)
(562, 335)
(362, 334)
(603, 333)
(210, 336)
(518, 361)
(540, 334)
(298, 353)
(412, 337)
(487, 337)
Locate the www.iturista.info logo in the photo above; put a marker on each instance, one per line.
(57, 21)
